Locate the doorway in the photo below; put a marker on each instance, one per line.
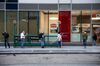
(52, 22)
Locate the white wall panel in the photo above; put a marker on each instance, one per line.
(28, 1)
(60, 1)
(82, 1)
(64, 1)
(85, 1)
(38, 1)
(48, 1)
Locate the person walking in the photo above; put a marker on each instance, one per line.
(6, 39)
(22, 37)
(85, 36)
(59, 39)
(94, 37)
(41, 39)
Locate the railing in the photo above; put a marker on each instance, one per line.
(33, 40)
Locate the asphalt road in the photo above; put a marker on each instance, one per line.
(50, 60)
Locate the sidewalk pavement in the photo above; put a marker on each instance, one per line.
(51, 50)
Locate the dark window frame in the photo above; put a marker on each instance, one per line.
(12, 6)
(2, 0)
(11, 0)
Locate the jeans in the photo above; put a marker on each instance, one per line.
(59, 43)
(84, 43)
(42, 43)
(7, 43)
(94, 43)
(22, 42)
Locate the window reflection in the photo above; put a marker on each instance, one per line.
(1, 24)
(11, 16)
(23, 20)
(29, 22)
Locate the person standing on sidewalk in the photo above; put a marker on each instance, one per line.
(6, 39)
(41, 39)
(22, 37)
(85, 36)
(59, 39)
(94, 37)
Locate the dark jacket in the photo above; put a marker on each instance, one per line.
(5, 34)
(85, 36)
(94, 37)
(41, 35)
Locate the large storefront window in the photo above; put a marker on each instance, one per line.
(49, 24)
(1, 25)
(29, 22)
(34, 23)
(75, 36)
(80, 22)
(96, 24)
(11, 17)
(86, 22)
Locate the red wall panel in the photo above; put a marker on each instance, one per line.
(64, 17)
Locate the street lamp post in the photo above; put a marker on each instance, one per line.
(59, 22)
(14, 22)
(14, 30)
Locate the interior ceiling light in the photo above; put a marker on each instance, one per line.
(95, 18)
(53, 18)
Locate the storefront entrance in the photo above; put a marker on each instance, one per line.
(52, 22)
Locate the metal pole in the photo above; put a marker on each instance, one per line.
(71, 23)
(48, 26)
(28, 23)
(14, 22)
(5, 20)
(58, 18)
(18, 31)
(81, 26)
(91, 25)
